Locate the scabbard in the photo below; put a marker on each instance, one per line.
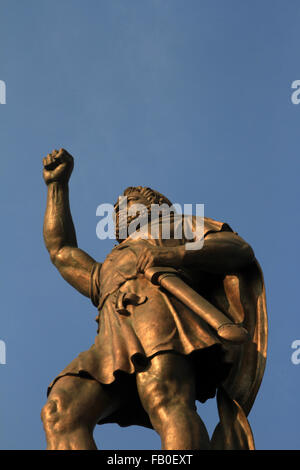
(169, 279)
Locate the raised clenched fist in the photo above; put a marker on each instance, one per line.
(58, 166)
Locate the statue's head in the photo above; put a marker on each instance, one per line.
(139, 195)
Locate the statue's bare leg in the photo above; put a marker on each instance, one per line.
(167, 392)
(74, 407)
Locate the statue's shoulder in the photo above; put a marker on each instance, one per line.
(212, 225)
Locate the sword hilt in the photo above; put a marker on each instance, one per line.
(169, 279)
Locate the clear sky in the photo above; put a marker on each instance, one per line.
(192, 98)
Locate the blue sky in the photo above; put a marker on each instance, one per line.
(191, 98)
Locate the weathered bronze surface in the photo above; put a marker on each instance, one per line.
(174, 326)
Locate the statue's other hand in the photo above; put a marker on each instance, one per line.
(159, 256)
(58, 166)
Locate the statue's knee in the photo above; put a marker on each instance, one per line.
(163, 400)
(48, 411)
(157, 398)
(58, 414)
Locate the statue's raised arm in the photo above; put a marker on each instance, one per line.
(74, 265)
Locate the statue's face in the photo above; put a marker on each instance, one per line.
(131, 201)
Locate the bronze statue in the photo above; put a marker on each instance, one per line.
(174, 326)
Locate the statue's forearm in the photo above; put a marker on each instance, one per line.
(219, 254)
(59, 229)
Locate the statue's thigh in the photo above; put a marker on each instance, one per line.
(85, 397)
